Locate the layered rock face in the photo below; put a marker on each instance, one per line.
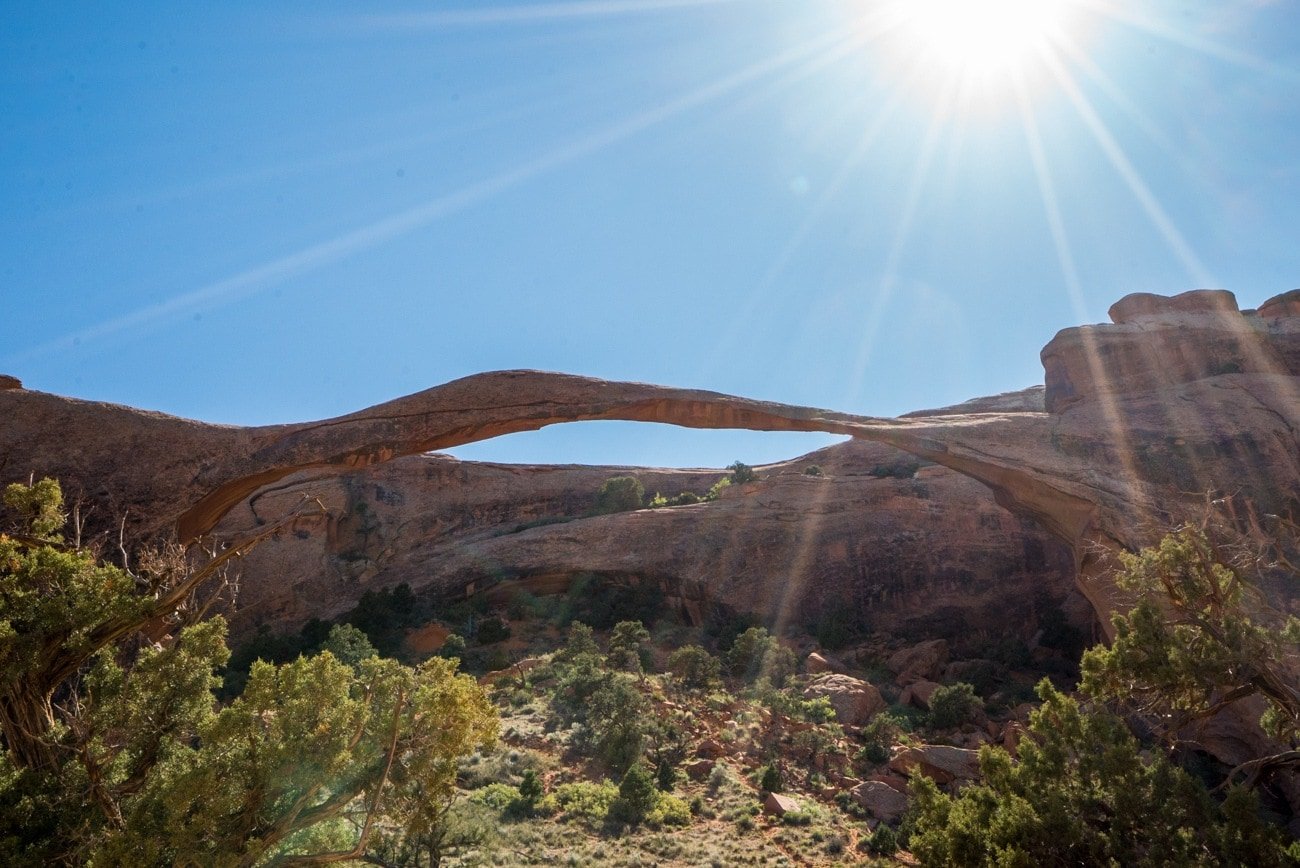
(929, 553)
(1179, 402)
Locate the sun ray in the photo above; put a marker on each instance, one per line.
(889, 273)
(1074, 288)
(261, 277)
(1187, 257)
(1125, 14)
(532, 13)
(761, 293)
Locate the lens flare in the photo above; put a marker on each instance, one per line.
(977, 39)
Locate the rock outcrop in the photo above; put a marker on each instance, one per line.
(1178, 402)
(855, 701)
(930, 554)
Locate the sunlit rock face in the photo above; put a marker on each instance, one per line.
(1180, 405)
(1157, 342)
(905, 548)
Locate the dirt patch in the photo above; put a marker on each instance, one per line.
(426, 639)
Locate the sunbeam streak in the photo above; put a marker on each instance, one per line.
(1126, 16)
(1196, 270)
(889, 274)
(1074, 286)
(532, 14)
(261, 277)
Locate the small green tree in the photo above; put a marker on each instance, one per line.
(115, 751)
(453, 647)
(694, 667)
(617, 717)
(349, 645)
(741, 473)
(757, 654)
(1195, 644)
(530, 789)
(637, 795)
(1083, 794)
(619, 494)
(579, 642)
(625, 645)
(954, 704)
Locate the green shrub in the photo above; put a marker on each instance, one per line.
(741, 473)
(757, 654)
(530, 788)
(580, 641)
(670, 811)
(1082, 793)
(836, 628)
(349, 645)
(586, 800)
(883, 841)
(452, 647)
(717, 488)
(492, 630)
(769, 779)
(637, 795)
(878, 736)
(625, 645)
(619, 494)
(524, 605)
(694, 667)
(498, 797)
(812, 470)
(954, 704)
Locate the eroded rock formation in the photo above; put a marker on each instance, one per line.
(1178, 400)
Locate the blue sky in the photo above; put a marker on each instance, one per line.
(255, 213)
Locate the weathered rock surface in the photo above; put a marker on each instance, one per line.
(855, 701)
(919, 662)
(816, 663)
(931, 556)
(918, 693)
(881, 800)
(1179, 400)
(939, 762)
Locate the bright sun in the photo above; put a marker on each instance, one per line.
(978, 39)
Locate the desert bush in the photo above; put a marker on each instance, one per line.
(1083, 793)
(637, 795)
(491, 630)
(694, 667)
(741, 473)
(586, 800)
(953, 704)
(619, 494)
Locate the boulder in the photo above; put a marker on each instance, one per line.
(918, 694)
(1286, 304)
(1146, 305)
(881, 800)
(698, 770)
(778, 805)
(711, 749)
(939, 762)
(855, 701)
(817, 663)
(921, 662)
